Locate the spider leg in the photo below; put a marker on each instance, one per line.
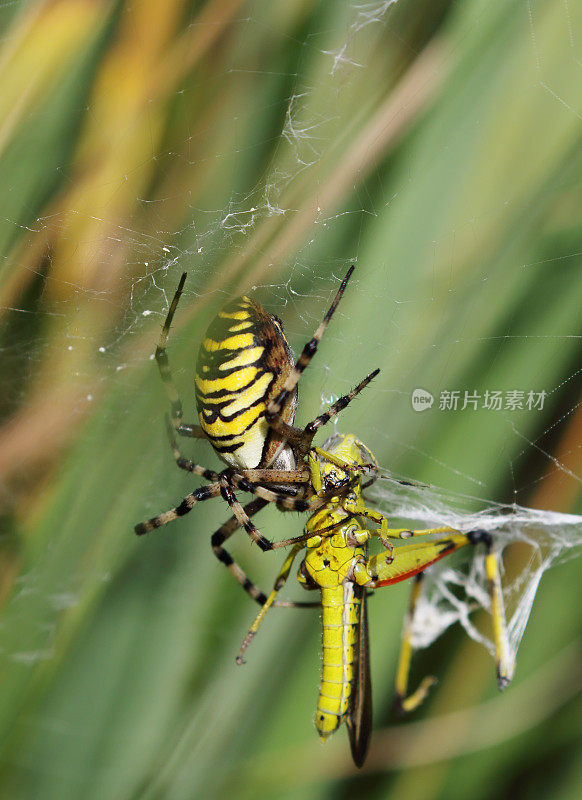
(224, 533)
(309, 502)
(241, 515)
(312, 427)
(187, 504)
(161, 357)
(220, 536)
(302, 439)
(283, 501)
(275, 406)
(269, 476)
(185, 463)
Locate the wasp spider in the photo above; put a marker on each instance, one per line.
(246, 394)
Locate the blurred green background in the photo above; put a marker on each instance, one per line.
(263, 147)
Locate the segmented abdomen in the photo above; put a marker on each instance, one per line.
(341, 618)
(242, 363)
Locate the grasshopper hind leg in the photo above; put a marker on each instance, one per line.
(403, 702)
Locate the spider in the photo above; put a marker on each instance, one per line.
(246, 394)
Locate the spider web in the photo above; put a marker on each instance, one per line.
(99, 290)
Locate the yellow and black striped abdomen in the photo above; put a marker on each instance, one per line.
(341, 608)
(243, 362)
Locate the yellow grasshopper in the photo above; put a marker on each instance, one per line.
(337, 563)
